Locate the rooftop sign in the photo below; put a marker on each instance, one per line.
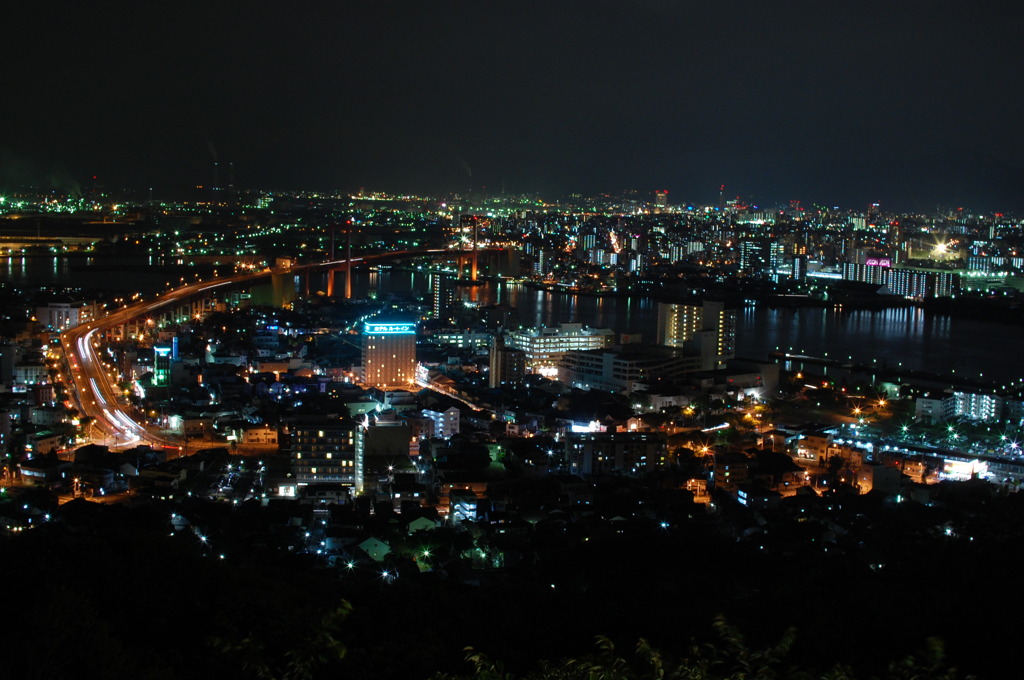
(389, 329)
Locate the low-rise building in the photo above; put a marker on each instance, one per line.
(985, 407)
(629, 453)
(59, 315)
(731, 470)
(263, 435)
(544, 346)
(446, 423)
(880, 478)
(631, 368)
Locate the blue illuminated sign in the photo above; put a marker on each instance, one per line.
(390, 328)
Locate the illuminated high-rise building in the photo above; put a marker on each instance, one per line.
(761, 257)
(389, 354)
(327, 453)
(874, 212)
(708, 327)
(163, 356)
(799, 267)
(507, 365)
(443, 290)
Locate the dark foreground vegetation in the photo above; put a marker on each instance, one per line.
(109, 589)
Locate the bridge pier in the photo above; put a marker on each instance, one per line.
(348, 281)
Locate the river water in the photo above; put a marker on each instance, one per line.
(90, 272)
(906, 337)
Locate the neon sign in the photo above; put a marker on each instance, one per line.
(390, 328)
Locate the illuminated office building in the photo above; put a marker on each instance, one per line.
(543, 347)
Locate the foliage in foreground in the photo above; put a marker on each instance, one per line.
(730, 659)
(298, 663)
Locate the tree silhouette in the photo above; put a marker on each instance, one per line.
(731, 658)
(318, 647)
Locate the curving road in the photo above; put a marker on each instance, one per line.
(92, 381)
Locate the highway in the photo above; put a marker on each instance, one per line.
(92, 381)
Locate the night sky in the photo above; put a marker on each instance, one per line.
(910, 104)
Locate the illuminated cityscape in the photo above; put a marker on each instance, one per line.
(621, 344)
(319, 327)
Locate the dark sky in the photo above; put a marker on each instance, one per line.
(911, 104)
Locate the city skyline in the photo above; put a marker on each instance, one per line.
(905, 105)
(336, 402)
